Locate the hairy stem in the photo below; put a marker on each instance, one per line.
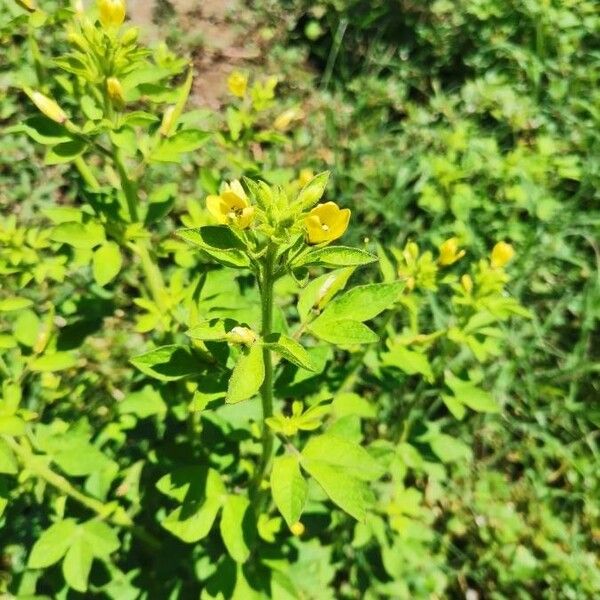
(266, 297)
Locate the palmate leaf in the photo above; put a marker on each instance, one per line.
(219, 242)
(247, 376)
(168, 363)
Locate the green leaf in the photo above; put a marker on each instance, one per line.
(348, 403)
(14, 303)
(106, 263)
(319, 291)
(234, 527)
(167, 363)
(42, 130)
(143, 403)
(335, 256)
(219, 242)
(343, 333)
(58, 361)
(288, 487)
(466, 392)
(78, 235)
(11, 425)
(362, 303)
(248, 375)
(312, 192)
(170, 149)
(409, 361)
(78, 564)
(449, 449)
(80, 458)
(65, 152)
(8, 462)
(350, 494)
(212, 330)
(202, 492)
(343, 454)
(26, 328)
(291, 350)
(52, 544)
(101, 539)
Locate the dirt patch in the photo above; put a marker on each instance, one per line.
(221, 34)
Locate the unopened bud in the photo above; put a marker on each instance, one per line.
(130, 36)
(467, 283)
(168, 121)
(48, 107)
(297, 528)
(241, 335)
(112, 12)
(115, 90)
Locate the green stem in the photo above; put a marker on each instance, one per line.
(266, 390)
(86, 173)
(41, 470)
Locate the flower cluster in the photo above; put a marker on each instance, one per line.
(322, 224)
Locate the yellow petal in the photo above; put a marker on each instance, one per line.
(246, 217)
(233, 201)
(316, 233)
(340, 224)
(236, 187)
(215, 207)
(502, 254)
(327, 212)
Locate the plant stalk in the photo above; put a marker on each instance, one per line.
(266, 390)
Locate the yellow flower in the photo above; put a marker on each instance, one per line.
(112, 12)
(326, 222)
(449, 252)
(502, 254)
(48, 107)
(237, 84)
(115, 90)
(297, 528)
(231, 206)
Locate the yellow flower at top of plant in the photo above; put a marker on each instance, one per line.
(231, 206)
(48, 107)
(237, 84)
(112, 12)
(297, 528)
(115, 90)
(502, 254)
(326, 222)
(283, 121)
(167, 121)
(449, 252)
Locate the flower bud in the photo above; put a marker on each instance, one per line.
(130, 36)
(467, 283)
(167, 121)
(115, 90)
(48, 107)
(112, 12)
(502, 254)
(297, 528)
(241, 335)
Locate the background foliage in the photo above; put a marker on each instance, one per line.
(470, 119)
